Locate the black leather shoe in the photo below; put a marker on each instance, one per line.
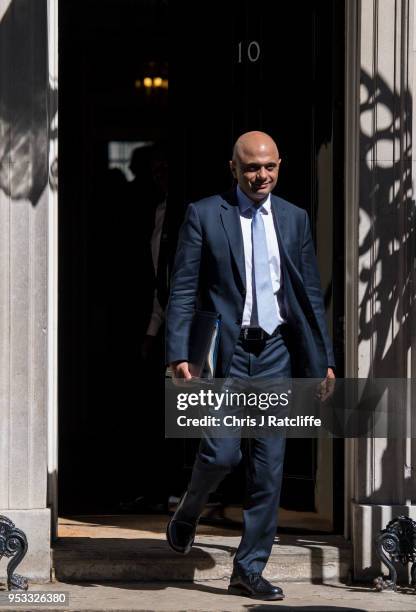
(254, 586)
(180, 532)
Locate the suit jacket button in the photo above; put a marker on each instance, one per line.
(239, 321)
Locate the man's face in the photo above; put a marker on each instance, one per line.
(256, 170)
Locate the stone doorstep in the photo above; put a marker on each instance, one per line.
(294, 558)
(212, 596)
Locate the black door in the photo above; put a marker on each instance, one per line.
(276, 67)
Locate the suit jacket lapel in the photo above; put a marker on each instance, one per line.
(283, 232)
(282, 227)
(280, 221)
(230, 217)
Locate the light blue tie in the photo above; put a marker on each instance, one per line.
(265, 300)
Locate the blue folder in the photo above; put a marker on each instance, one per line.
(203, 344)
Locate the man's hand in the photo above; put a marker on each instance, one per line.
(180, 372)
(327, 386)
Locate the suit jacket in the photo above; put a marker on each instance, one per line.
(209, 273)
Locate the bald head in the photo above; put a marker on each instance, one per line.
(255, 164)
(254, 142)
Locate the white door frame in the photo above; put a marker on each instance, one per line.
(352, 118)
(53, 270)
(351, 194)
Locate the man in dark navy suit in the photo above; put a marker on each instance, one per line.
(249, 256)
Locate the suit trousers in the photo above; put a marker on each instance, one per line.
(252, 361)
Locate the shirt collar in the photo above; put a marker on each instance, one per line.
(246, 204)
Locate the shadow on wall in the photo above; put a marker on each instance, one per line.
(387, 253)
(387, 232)
(28, 103)
(387, 241)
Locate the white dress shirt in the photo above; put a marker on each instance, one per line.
(157, 315)
(246, 207)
